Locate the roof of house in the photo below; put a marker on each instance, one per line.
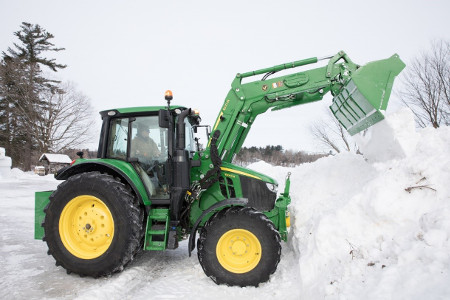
(56, 158)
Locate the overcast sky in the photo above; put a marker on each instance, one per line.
(127, 53)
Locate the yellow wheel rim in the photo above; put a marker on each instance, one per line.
(238, 251)
(86, 227)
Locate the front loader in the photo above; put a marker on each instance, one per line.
(153, 185)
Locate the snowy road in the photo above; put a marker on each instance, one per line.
(27, 272)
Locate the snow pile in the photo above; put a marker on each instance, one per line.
(5, 163)
(19, 175)
(393, 138)
(375, 228)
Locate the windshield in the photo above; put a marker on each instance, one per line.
(148, 140)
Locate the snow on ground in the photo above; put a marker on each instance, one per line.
(374, 227)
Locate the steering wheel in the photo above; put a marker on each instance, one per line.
(156, 171)
(153, 165)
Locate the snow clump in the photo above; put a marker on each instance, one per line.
(5, 163)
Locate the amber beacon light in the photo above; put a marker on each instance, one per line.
(168, 95)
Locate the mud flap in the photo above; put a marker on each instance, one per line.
(41, 199)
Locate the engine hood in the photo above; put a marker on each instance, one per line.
(228, 167)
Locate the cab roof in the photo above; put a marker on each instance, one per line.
(137, 110)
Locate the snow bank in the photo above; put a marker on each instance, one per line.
(5, 163)
(375, 228)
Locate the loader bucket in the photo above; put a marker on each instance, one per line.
(361, 101)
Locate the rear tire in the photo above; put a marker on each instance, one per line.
(239, 246)
(93, 225)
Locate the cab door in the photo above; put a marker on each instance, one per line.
(140, 141)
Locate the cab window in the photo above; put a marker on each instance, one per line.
(117, 142)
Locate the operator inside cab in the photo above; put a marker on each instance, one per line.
(148, 146)
(143, 146)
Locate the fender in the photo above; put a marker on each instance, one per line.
(221, 204)
(117, 168)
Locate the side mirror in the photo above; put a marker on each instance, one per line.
(163, 118)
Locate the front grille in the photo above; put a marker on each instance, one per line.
(257, 193)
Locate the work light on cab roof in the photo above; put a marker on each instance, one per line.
(168, 95)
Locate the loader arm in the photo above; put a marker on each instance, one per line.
(360, 94)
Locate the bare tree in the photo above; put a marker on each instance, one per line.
(68, 121)
(331, 134)
(427, 82)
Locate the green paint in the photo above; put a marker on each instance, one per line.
(245, 101)
(125, 168)
(40, 202)
(282, 205)
(360, 102)
(140, 109)
(156, 229)
(228, 168)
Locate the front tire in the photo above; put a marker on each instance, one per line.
(239, 246)
(93, 225)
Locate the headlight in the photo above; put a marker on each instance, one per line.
(272, 187)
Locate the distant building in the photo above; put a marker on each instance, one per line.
(54, 162)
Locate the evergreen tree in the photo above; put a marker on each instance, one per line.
(23, 84)
(12, 86)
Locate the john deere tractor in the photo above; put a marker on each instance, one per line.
(154, 185)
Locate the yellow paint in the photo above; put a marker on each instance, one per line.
(288, 219)
(238, 251)
(229, 175)
(226, 105)
(239, 172)
(86, 227)
(217, 122)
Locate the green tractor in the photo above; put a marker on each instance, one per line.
(154, 185)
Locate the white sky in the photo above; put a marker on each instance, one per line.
(127, 53)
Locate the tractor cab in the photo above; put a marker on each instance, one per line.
(139, 137)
